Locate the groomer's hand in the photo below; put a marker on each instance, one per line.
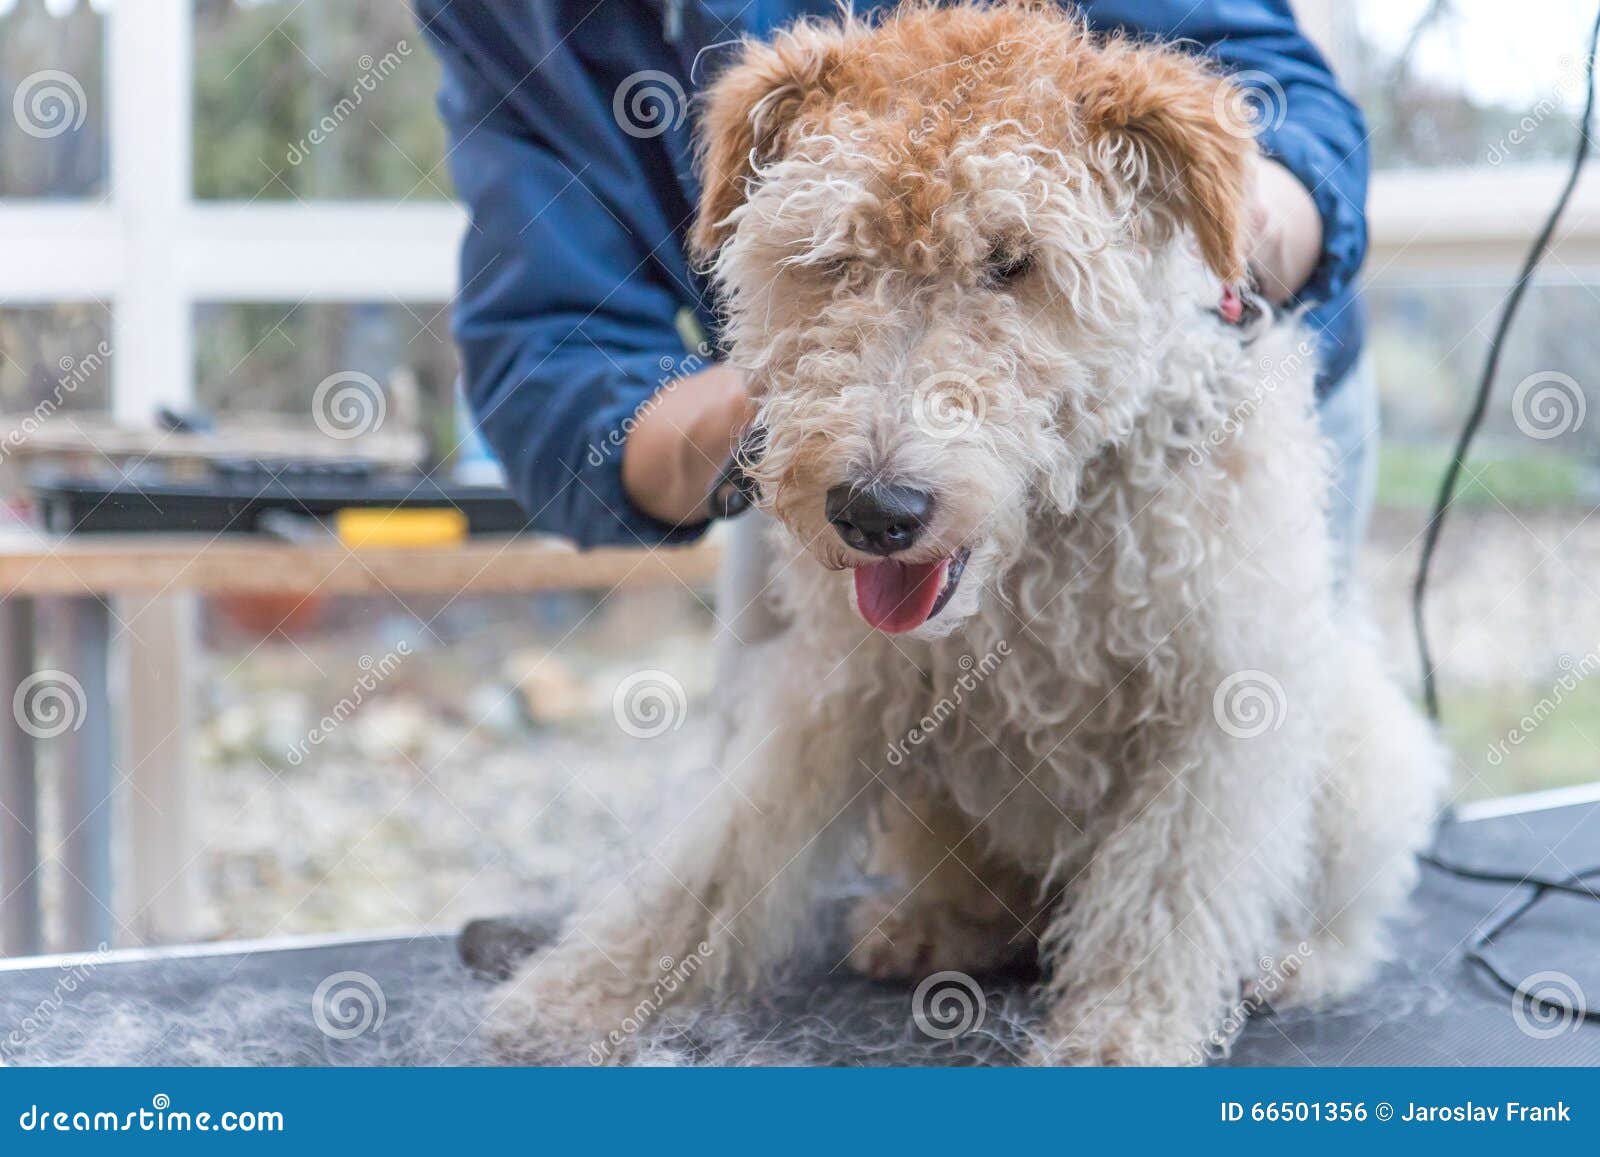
(1285, 231)
(680, 442)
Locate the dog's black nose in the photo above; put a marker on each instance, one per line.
(878, 518)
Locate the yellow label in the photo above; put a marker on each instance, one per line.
(358, 527)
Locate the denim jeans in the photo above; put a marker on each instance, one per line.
(1349, 419)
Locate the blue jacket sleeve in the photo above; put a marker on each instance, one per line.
(1307, 123)
(565, 318)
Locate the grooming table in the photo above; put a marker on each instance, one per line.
(253, 1004)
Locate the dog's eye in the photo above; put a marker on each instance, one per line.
(1007, 265)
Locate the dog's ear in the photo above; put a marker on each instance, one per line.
(1176, 120)
(748, 112)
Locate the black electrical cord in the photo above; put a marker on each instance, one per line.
(1575, 884)
(1478, 951)
(1491, 364)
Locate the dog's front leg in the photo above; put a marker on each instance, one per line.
(1188, 881)
(723, 897)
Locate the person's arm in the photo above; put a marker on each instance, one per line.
(565, 318)
(1309, 127)
(1285, 232)
(682, 440)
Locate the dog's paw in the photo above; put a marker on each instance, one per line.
(887, 943)
(1312, 975)
(908, 940)
(1114, 1036)
(1115, 1053)
(551, 1017)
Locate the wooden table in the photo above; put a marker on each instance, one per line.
(83, 573)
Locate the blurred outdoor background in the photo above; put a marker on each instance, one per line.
(490, 769)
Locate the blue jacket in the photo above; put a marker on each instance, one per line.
(573, 271)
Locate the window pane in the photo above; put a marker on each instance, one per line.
(272, 358)
(1465, 83)
(53, 358)
(1429, 336)
(296, 100)
(1514, 605)
(53, 123)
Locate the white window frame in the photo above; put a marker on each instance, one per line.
(150, 252)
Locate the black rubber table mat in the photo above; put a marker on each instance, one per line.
(413, 1002)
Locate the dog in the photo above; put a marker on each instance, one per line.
(1061, 638)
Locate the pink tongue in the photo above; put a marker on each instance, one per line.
(896, 596)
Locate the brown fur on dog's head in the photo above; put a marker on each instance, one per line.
(1155, 108)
